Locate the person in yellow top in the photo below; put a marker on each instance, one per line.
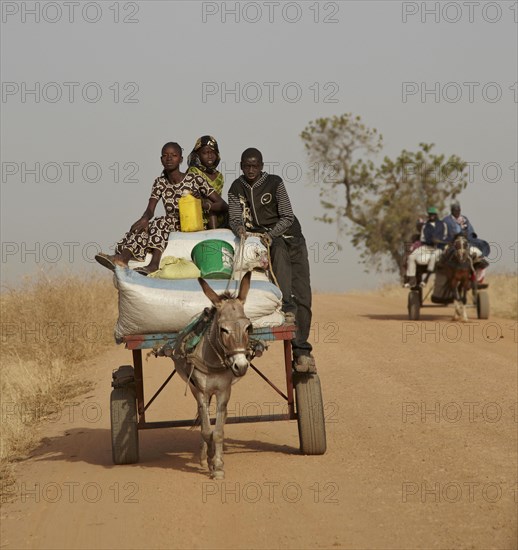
(203, 161)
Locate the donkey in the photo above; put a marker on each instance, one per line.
(458, 268)
(219, 359)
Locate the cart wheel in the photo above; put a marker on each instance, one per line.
(483, 305)
(474, 291)
(123, 415)
(310, 414)
(414, 303)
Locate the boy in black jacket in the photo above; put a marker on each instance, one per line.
(258, 203)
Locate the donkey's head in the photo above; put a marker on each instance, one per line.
(232, 325)
(461, 246)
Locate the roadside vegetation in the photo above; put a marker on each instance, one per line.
(50, 325)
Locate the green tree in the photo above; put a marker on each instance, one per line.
(380, 204)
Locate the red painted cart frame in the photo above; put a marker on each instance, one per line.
(136, 343)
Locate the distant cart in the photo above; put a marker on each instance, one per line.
(441, 298)
(128, 407)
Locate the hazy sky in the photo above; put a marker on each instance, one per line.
(92, 90)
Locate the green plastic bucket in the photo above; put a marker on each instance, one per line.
(214, 258)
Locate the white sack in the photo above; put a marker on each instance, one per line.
(148, 306)
(254, 256)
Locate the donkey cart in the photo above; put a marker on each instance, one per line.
(128, 407)
(442, 296)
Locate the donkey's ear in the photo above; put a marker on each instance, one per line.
(211, 295)
(244, 287)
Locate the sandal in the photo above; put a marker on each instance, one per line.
(106, 260)
(305, 364)
(289, 318)
(144, 270)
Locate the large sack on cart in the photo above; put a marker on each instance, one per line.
(148, 306)
(442, 292)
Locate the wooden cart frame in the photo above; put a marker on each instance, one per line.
(128, 406)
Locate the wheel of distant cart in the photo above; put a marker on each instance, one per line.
(123, 415)
(310, 414)
(474, 291)
(420, 296)
(414, 304)
(483, 305)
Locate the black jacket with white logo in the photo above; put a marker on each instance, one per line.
(262, 207)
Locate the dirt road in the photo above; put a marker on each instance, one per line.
(422, 450)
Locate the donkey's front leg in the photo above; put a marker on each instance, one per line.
(457, 305)
(218, 435)
(203, 454)
(464, 313)
(207, 443)
(464, 318)
(457, 311)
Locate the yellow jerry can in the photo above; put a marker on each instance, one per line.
(191, 217)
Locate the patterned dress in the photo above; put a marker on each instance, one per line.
(139, 244)
(217, 183)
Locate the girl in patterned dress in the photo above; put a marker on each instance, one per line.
(150, 234)
(203, 161)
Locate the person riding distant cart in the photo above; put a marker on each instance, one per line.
(456, 223)
(415, 241)
(433, 239)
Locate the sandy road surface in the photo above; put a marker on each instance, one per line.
(422, 450)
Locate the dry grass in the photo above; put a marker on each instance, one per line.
(49, 326)
(503, 294)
